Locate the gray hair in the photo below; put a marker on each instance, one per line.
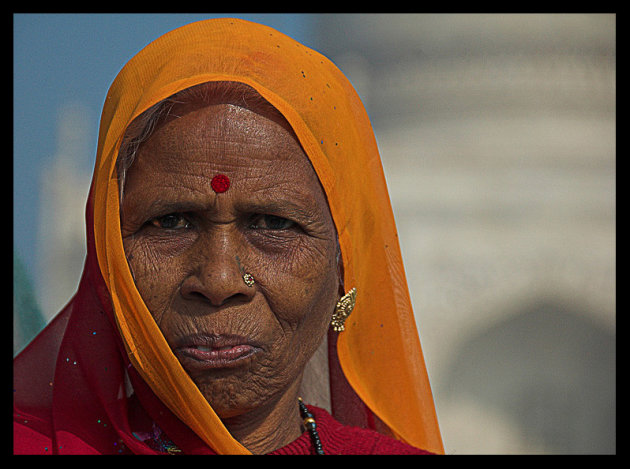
(138, 132)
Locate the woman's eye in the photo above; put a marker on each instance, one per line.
(271, 222)
(172, 221)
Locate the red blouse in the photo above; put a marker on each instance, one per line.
(340, 439)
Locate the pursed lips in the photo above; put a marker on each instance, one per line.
(212, 351)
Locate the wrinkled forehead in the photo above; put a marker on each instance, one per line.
(196, 140)
(209, 109)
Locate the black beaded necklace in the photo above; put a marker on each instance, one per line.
(311, 426)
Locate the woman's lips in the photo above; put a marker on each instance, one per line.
(206, 352)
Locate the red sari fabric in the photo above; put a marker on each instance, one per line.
(99, 375)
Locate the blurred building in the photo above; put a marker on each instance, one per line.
(497, 134)
(64, 187)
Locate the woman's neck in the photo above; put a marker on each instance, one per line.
(269, 427)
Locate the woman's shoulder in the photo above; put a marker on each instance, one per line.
(344, 439)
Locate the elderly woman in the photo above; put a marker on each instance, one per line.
(243, 290)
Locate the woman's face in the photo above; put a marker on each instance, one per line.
(189, 247)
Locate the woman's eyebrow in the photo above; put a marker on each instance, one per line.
(280, 207)
(165, 206)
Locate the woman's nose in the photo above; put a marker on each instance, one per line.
(218, 276)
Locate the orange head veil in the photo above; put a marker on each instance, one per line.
(379, 351)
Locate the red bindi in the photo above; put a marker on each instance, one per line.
(220, 183)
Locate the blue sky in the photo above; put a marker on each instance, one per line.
(61, 58)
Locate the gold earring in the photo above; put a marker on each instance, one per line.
(343, 309)
(248, 279)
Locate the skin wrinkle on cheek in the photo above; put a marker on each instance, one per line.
(146, 269)
(298, 256)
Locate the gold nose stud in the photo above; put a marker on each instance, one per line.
(248, 279)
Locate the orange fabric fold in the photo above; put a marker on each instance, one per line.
(380, 351)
